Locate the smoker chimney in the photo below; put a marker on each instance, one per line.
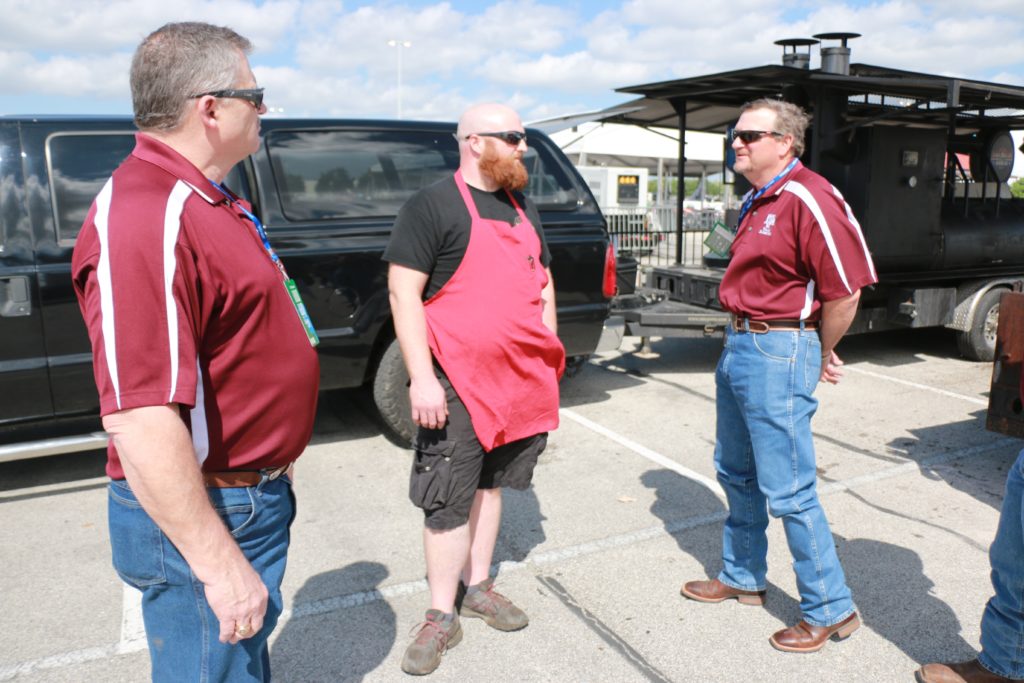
(797, 60)
(836, 60)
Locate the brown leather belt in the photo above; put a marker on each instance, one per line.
(240, 478)
(762, 326)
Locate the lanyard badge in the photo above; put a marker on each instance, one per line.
(721, 237)
(289, 283)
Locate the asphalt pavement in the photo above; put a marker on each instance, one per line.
(624, 509)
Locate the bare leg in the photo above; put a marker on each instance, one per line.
(484, 523)
(447, 552)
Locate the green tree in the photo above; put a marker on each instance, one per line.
(1017, 188)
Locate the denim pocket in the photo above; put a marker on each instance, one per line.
(430, 483)
(235, 506)
(813, 362)
(777, 345)
(136, 542)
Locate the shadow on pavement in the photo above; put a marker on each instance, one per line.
(321, 643)
(678, 500)
(895, 601)
(522, 525)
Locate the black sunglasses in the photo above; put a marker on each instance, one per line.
(749, 136)
(251, 95)
(512, 137)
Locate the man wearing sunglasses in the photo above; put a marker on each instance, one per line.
(474, 309)
(206, 371)
(798, 262)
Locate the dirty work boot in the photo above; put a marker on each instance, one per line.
(432, 640)
(491, 606)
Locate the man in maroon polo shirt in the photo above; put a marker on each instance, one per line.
(798, 262)
(204, 362)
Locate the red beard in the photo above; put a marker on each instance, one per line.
(508, 172)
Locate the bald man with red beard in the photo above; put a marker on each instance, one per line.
(474, 308)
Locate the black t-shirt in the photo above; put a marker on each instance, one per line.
(431, 232)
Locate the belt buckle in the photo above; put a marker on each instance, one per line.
(758, 326)
(272, 474)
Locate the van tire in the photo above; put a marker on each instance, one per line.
(979, 342)
(391, 396)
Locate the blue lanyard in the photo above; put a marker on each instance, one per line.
(260, 230)
(754, 196)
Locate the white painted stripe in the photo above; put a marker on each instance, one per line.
(645, 452)
(197, 419)
(916, 385)
(133, 629)
(808, 199)
(172, 226)
(104, 282)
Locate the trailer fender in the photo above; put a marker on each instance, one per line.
(970, 295)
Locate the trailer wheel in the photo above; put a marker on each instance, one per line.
(391, 396)
(979, 342)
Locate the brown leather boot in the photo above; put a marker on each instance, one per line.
(716, 591)
(807, 638)
(962, 672)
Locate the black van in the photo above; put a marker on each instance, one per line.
(327, 191)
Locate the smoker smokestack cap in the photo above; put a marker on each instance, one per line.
(836, 60)
(790, 57)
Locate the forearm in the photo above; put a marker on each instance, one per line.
(411, 330)
(836, 317)
(160, 464)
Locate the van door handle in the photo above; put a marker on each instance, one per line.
(14, 297)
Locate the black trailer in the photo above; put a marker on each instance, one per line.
(922, 159)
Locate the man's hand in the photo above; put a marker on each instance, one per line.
(429, 405)
(830, 368)
(239, 599)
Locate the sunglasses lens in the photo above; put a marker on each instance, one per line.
(514, 137)
(747, 136)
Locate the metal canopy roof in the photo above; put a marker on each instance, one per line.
(875, 94)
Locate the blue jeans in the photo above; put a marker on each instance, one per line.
(181, 629)
(1002, 624)
(764, 456)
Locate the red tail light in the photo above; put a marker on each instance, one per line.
(610, 285)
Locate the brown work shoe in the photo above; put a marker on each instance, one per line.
(962, 672)
(491, 606)
(432, 640)
(716, 591)
(807, 638)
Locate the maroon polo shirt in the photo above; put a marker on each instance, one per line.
(799, 245)
(183, 305)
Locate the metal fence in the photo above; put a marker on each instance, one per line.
(649, 235)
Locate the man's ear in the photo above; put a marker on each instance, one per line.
(206, 109)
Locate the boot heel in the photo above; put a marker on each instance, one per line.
(847, 630)
(750, 599)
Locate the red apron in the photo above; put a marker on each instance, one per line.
(485, 330)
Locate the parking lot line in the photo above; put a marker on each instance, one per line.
(916, 385)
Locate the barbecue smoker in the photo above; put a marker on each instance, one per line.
(922, 159)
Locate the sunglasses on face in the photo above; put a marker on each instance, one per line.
(511, 137)
(252, 95)
(749, 136)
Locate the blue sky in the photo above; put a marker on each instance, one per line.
(545, 57)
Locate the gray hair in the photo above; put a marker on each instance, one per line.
(177, 61)
(789, 119)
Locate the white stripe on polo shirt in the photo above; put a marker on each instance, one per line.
(860, 233)
(804, 194)
(808, 300)
(105, 284)
(172, 226)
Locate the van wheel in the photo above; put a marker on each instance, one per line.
(979, 342)
(391, 396)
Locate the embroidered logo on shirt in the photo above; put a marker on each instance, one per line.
(766, 229)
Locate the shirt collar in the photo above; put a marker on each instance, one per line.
(151, 150)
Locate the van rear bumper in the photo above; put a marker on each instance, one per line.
(611, 335)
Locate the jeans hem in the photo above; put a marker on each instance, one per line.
(846, 615)
(730, 584)
(994, 670)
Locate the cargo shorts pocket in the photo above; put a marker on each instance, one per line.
(430, 483)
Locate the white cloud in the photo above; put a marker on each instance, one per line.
(104, 77)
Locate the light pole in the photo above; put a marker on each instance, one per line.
(399, 44)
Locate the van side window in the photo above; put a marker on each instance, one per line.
(78, 165)
(329, 174)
